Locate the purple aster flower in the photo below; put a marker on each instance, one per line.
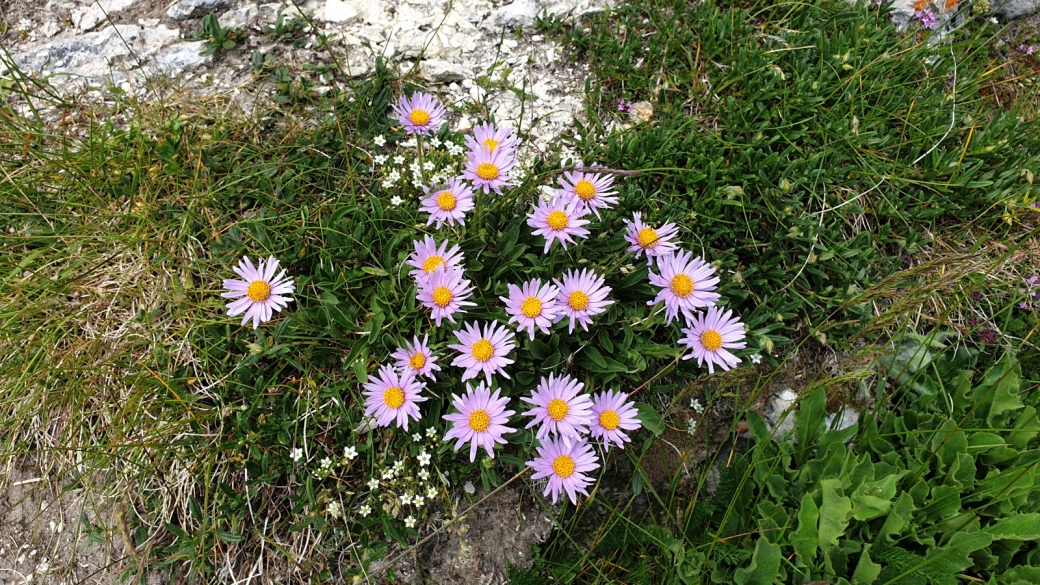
(445, 293)
(531, 305)
(420, 114)
(489, 170)
(624, 106)
(565, 462)
(260, 294)
(429, 256)
(1026, 49)
(612, 414)
(648, 240)
(581, 296)
(557, 219)
(393, 396)
(417, 357)
(589, 191)
(710, 334)
(480, 420)
(483, 352)
(559, 408)
(449, 203)
(686, 284)
(489, 137)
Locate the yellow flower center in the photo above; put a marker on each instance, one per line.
(647, 237)
(487, 171)
(431, 263)
(557, 220)
(578, 300)
(258, 291)
(490, 144)
(711, 340)
(531, 307)
(419, 117)
(558, 409)
(609, 420)
(482, 350)
(479, 420)
(585, 190)
(682, 286)
(417, 361)
(393, 397)
(563, 465)
(446, 201)
(441, 296)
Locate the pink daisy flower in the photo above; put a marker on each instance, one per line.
(393, 396)
(445, 293)
(260, 294)
(448, 204)
(557, 219)
(531, 305)
(581, 296)
(648, 240)
(565, 462)
(420, 114)
(710, 335)
(417, 358)
(480, 420)
(428, 256)
(489, 137)
(588, 191)
(489, 170)
(612, 414)
(686, 284)
(559, 408)
(483, 352)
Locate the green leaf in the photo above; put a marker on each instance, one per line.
(229, 536)
(867, 571)
(805, 540)
(374, 271)
(327, 297)
(809, 421)
(1027, 425)
(649, 418)
(765, 564)
(539, 350)
(834, 513)
(1019, 527)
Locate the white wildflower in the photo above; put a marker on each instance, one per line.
(373, 484)
(696, 405)
(334, 510)
(379, 140)
(409, 522)
(424, 458)
(365, 510)
(350, 453)
(297, 454)
(395, 200)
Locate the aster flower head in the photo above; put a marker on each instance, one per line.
(646, 239)
(448, 203)
(588, 191)
(557, 219)
(429, 256)
(531, 305)
(559, 407)
(445, 293)
(710, 335)
(489, 170)
(420, 114)
(480, 420)
(393, 397)
(489, 137)
(417, 357)
(260, 293)
(581, 296)
(612, 415)
(686, 284)
(565, 462)
(483, 351)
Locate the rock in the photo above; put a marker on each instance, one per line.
(641, 112)
(180, 58)
(269, 13)
(520, 13)
(440, 71)
(1013, 8)
(843, 419)
(87, 18)
(339, 11)
(240, 18)
(777, 417)
(185, 9)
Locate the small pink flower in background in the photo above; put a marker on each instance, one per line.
(260, 294)
(581, 296)
(686, 284)
(612, 414)
(483, 352)
(710, 334)
(489, 137)
(429, 256)
(445, 293)
(393, 397)
(480, 420)
(559, 407)
(531, 305)
(645, 239)
(417, 357)
(420, 114)
(489, 170)
(588, 191)
(557, 219)
(448, 204)
(565, 462)
(624, 106)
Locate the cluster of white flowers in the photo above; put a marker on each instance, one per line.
(405, 483)
(696, 405)
(691, 426)
(328, 465)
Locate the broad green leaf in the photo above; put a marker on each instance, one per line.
(867, 571)
(809, 421)
(649, 418)
(834, 513)
(873, 499)
(764, 565)
(374, 271)
(1027, 425)
(1020, 527)
(805, 540)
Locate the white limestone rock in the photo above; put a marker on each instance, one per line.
(87, 18)
(241, 17)
(440, 71)
(520, 13)
(185, 9)
(339, 11)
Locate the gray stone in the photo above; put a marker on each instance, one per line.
(441, 71)
(89, 17)
(185, 9)
(181, 57)
(1013, 8)
(520, 13)
(239, 18)
(339, 11)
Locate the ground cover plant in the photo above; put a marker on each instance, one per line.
(803, 151)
